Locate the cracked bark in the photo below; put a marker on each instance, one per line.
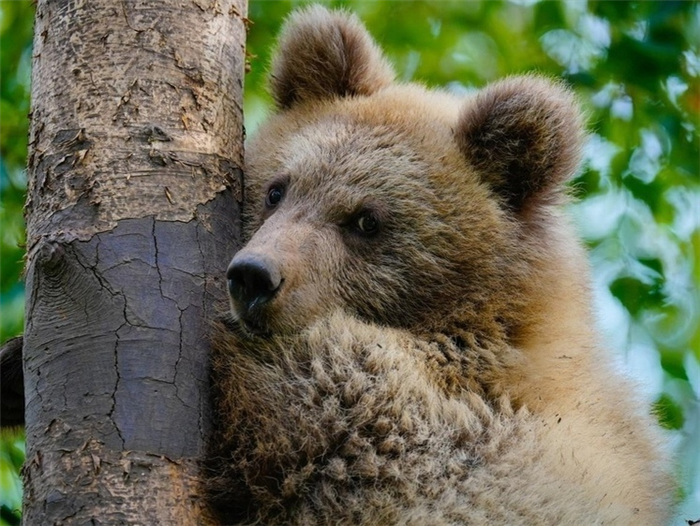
(132, 215)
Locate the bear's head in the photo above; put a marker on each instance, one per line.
(403, 206)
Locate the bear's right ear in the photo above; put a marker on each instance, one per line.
(324, 54)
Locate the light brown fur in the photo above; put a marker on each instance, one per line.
(444, 370)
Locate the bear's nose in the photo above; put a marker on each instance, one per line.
(252, 279)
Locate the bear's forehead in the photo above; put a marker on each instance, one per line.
(348, 164)
(345, 147)
(369, 140)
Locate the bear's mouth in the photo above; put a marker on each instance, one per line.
(248, 325)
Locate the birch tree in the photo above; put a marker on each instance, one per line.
(135, 181)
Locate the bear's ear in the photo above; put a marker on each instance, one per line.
(323, 54)
(524, 137)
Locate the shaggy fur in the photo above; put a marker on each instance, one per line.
(442, 369)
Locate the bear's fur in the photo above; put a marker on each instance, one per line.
(439, 367)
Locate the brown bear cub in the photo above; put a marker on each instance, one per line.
(411, 339)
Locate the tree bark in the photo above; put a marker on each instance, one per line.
(135, 184)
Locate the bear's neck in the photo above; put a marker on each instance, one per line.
(545, 317)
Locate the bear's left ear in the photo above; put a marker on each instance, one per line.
(524, 137)
(323, 54)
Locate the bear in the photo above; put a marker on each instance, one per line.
(410, 338)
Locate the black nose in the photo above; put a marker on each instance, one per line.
(252, 279)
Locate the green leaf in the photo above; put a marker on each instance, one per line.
(668, 412)
(636, 295)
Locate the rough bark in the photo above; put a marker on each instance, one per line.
(132, 215)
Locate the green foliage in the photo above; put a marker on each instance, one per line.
(15, 42)
(669, 412)
(636, 68)
(11, 459)
(15, 46)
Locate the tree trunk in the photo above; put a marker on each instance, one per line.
(132, 215)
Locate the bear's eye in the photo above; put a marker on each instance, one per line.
(366, 223)
(274, 196)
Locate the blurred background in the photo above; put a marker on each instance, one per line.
(636, 68)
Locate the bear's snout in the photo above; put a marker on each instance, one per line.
(253, 279)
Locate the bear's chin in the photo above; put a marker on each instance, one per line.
(250, 331)
(263, 323)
